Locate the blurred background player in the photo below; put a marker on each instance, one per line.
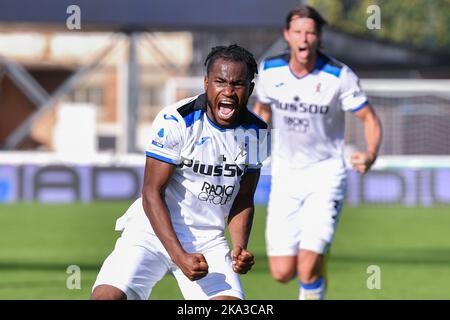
(196, 178)
(63, 188)
(304, 94)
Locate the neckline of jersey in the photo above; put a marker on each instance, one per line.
(318, 65)
(219, 127)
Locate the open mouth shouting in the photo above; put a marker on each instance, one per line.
(227, 108)
(303, 48)
(227, 90)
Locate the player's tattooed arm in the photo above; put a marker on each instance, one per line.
(156, 177)
(240, 222)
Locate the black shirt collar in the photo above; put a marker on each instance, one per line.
(200, 102)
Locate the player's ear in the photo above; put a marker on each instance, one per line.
(286, 35)
(205, 82)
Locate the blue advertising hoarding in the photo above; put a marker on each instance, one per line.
(87, 183)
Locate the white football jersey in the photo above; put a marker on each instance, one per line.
(308, 112)
(210, 162)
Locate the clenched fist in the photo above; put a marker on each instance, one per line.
(362, 161)
(242, 260)
(193, 265)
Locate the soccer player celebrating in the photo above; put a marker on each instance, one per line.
(304, 94)
(200, 176)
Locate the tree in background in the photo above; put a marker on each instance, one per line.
(421, 23)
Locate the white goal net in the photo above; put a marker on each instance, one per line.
(415, 115)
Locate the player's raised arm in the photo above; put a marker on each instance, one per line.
(156, 177)
(363, 161)
(240, 222)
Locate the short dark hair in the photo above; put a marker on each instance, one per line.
(233, 53)
(306, 12)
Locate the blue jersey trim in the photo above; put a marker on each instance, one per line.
(362, 105)
(221, 128)
(274, 63)
(192, 117)
(158, 157)
(215, 125)
(335, 71)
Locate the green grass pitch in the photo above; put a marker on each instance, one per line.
(411, 246)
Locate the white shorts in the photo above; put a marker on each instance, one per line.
(139, 261)
(304, 208)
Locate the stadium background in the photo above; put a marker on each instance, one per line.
(75, 107)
